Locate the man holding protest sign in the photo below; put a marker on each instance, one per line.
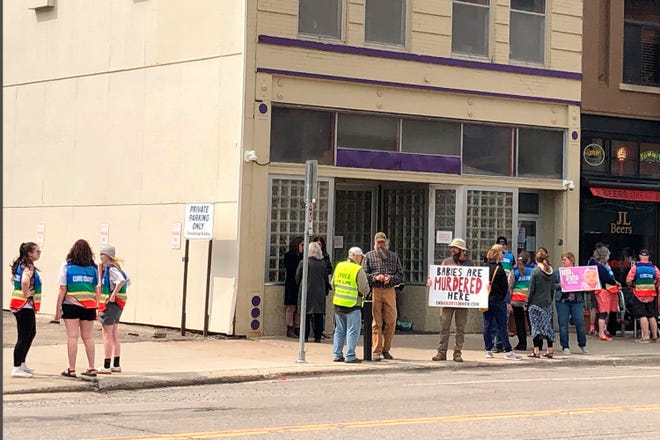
(458, 258)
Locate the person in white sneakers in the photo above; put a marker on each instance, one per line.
(113, 299)
(496, 314)
(25, 302)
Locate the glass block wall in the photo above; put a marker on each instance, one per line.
(489, 214)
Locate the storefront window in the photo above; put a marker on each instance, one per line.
(540, 153)
(431, 137)
(287, 220)
(594, 156)
(368, 132)
(649, 160)
(298, 135)
(487, 149)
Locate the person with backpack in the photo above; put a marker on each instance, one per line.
(113, 299)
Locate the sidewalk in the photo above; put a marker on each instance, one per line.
(176, 360)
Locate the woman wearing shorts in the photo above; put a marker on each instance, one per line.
(113, 298)
(608, 296)
(76, 304)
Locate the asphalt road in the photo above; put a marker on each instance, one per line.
(530, 403)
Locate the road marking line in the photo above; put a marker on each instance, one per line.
(536, 379)
(392, 422)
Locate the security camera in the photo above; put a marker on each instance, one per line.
(250, 156)
(568, 185)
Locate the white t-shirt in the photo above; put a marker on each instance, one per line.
(116, 277)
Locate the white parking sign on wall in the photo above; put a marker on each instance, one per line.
(198, 222)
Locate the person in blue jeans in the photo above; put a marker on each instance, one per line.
(350, 286)
(497, 305)
(570, 305)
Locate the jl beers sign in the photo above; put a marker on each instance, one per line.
(622, 224)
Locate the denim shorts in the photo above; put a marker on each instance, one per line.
(111, 314)
(70, 311)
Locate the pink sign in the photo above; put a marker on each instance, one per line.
(574, 279)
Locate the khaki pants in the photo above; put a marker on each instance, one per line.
(384, 311)
(460, 317)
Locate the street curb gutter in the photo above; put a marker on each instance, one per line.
(211, 378)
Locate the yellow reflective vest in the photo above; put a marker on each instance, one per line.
(345, 284)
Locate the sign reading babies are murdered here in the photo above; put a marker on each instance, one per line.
(458, 286)
(198, 221)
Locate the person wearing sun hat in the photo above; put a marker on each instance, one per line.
(113, 299)
(644, 277)
(458, 257)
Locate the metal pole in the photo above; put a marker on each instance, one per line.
(303, 303)
(311, 167)
(367, 317)
(185, 288)
(208, 289)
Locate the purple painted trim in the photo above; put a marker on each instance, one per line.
(387, 160)
(368, 52)
(414, 86)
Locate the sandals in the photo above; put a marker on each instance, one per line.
(90, 372)
(69, 373)
(533, 355)
(547, 355)
(606, 338)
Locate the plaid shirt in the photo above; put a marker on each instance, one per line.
(374, 265)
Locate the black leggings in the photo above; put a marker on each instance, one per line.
(538, 341)
(27, 330)
(315, 319)
(520, 319)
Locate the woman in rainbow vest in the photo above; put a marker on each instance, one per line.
(643, 278)
(76, 304)
(521, 273)
(113, 299)
(25, 302)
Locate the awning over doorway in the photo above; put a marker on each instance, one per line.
(638, 195)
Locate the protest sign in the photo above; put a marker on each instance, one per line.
(458, 286)
(574, 279)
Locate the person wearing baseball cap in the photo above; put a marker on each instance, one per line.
(644, 277)
(384, 271)
(458, 257)
(350, 286)
(113, 299)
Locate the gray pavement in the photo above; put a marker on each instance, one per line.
(175, 360)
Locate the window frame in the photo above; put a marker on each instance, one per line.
(544, 54)
(489, 26)
(316, 37)
(405, 24)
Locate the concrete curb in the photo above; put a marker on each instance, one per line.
(154, 381)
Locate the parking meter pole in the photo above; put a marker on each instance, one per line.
(367, 317)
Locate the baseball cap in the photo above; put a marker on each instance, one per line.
(380, 236)
(355, 251)
(644, 252)
(502, 240)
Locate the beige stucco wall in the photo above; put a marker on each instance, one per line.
(121, 113)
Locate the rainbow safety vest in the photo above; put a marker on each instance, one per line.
(106, 291)
(345, 284)
(507, 263)
(644, 280)
(521, 286)
(17, 299)
(81, 284)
